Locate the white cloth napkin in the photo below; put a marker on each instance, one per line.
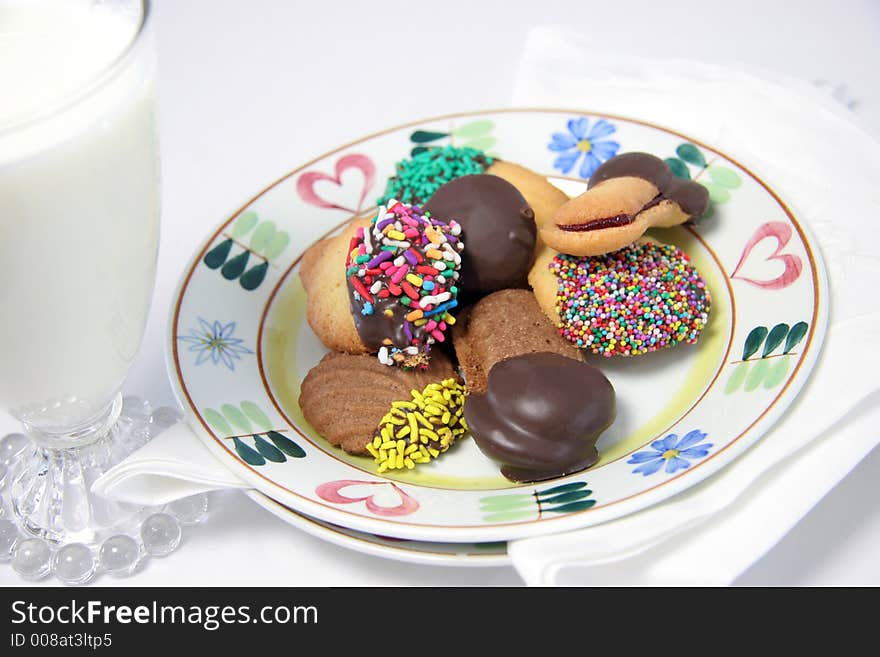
(172, 465)
(805, 145)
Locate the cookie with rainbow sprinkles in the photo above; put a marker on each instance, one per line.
(402, 273)
(641, 298)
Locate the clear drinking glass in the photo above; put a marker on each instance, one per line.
(79, 230)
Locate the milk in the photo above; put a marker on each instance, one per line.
(79, 207)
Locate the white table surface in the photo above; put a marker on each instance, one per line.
(250, 89)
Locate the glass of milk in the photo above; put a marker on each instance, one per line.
(79, 229)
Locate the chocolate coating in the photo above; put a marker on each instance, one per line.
(692, 197)
(541, 415)
(498, 228)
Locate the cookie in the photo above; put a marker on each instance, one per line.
(502, 325)
(344, 397)
(644, 297)
(322, 272)
(626, 196)
(416, 179)
(498, 227)
(402, 273)
(541, 415)
(542, 196)
(421, 428)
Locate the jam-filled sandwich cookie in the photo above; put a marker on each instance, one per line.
(402, 273)
(644, 297)
(626, 196)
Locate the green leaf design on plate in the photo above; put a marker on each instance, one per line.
(277, 245)
(754, 341)
(723, 176)
(505, 502)
(473, 129)
(571, 496)
(795, 335)
(737, 377)
(759, 370)
(236, 418)
(217, 422)
(217, 256)
(777, 335)
(564, 488)
(692, 154)
(574, 506)
(417, 150)
(254, 276)
(777, 372)
(262, 236)
(244, 224)
(679, 169)
(286, 445)
(248, 454)
(256, 415)
(270, 452)
(508, 516)
(481, 143)
(426, 136)
(709, 212)
(717, 193)
(234, 268)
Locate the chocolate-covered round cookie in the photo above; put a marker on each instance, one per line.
(498, 227)
(541, 415)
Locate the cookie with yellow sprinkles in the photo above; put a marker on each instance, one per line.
(421, 428)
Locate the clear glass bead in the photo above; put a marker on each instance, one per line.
(119, 554)
(10, 446)
(74, 564)
(32, 559)
(3, 470)
(160, 534)
(190, 510)
(164, 417)
(8, 537)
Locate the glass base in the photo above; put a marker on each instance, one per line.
(48, 489)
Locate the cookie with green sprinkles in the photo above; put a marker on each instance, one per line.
(417, 178)
(419, 429)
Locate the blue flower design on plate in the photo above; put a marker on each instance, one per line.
(672, 451)
(586, 141)
(214, 342)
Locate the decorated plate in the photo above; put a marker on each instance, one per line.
(239, 344)
(399, 549)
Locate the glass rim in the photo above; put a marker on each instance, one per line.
(89, 87)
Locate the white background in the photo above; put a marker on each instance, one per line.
(248, 90)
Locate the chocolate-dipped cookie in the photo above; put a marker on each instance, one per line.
(403, 276)
(541, 416)
(498, 227)
(626, 196)
(504, 324)
(344, 397)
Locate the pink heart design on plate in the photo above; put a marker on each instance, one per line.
(305, 185)
(781, 232)
(331, 491)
